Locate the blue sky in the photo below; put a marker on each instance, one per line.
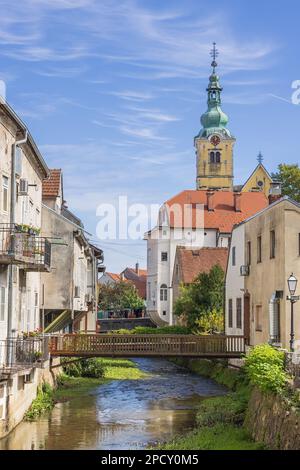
(112, 92)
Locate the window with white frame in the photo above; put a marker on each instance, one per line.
(163, 292)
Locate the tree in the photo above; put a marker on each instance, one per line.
(289, 176)
(201, 297)
(119, 296)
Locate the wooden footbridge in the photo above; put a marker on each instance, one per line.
(118, 345)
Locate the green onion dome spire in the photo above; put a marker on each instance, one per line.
(214, 120)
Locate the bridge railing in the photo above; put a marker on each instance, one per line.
(147, 345)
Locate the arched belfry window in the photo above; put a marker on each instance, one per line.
(163, 292)
(215, 157)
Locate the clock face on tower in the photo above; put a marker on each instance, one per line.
(215, 140)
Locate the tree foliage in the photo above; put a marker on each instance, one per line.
(202, 297)
(119, 296)
(289, 176)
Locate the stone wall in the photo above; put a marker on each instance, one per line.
(271, 421)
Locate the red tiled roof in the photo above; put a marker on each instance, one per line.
(138, 279)
(114, 276)
(192, 262)
(141, 273)
(224, 216)
(51, 185)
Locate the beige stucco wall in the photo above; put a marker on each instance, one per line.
(271, 274)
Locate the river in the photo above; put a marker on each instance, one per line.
(121, 414)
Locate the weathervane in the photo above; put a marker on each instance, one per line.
(214, 54)
(260, 158)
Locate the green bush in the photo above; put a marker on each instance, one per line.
(145, 330)
(42, 403)
(265, 368)
(85, 368)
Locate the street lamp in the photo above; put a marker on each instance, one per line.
(292, 285)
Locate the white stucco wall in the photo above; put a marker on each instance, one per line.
(234, 281)
(25, 315)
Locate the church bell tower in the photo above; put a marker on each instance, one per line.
(214, 143)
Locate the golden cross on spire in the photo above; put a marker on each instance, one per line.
(214, 54)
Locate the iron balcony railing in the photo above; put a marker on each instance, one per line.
(24, 248)
(18, 353)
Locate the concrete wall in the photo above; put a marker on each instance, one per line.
(16, 396)
(234, 282)
(58, 284)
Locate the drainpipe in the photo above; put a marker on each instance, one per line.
(12, 222)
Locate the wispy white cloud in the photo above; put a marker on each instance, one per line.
(131, 95)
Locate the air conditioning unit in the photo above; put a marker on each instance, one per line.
(77, 292)
(23, 187)
(245, 270)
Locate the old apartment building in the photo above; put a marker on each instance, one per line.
(265, 250)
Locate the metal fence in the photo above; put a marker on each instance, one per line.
(20, 353)
(17, 246)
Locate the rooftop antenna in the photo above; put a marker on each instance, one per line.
(214, 54)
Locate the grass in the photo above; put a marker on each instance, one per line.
(217, 437)
(121, 369)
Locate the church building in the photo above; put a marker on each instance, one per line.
(214, 207)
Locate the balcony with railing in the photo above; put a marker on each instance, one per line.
(26, 249)
(17, 354)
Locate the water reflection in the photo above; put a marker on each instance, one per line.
(123, 414)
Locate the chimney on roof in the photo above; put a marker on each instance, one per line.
(274, 197)
(237, 201)
(137, 268)
(210, 200)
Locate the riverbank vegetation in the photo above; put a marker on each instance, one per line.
(220, 420)
(79, 377)
(43, 403)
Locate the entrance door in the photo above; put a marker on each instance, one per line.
(247, 318)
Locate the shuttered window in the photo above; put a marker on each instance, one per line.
(230, 319)
(239, 313)
(274, 319)
(2, 303)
